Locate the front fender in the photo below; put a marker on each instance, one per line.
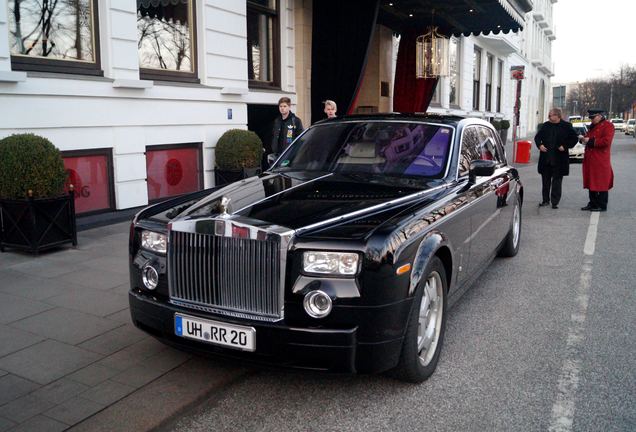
(429, 245)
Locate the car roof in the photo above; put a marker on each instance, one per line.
(431, 117)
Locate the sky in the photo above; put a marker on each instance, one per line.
(593, 38)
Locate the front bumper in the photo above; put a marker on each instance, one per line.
(337, 350)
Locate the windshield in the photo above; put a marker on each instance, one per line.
(617, 121)
(386, 148)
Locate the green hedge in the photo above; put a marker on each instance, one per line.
(238, 149)
(30, 162)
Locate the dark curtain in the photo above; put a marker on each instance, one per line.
(409, 93)
(342, 31)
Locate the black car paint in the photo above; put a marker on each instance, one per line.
(408, 223)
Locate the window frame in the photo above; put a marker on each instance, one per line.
(177, 76)
(477, 54)
(275, 84)
(78, 67)
(105, 151)
(159, 147)
(499, 81)
(489, 78)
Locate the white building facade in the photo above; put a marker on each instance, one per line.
(118, 104)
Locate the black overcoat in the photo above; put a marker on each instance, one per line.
(553, 136)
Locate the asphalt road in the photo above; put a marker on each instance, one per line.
(542, 341)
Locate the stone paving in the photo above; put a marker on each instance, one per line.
(68, 349)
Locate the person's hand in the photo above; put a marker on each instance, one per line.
(585, 140)
(543, 148)
(561, 148)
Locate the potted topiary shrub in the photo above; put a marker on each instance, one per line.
(35, 212)
(238, 155)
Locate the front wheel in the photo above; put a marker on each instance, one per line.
(510, 246)
(425, 329)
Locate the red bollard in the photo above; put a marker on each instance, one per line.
(522, 155)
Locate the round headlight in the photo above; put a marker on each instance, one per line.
(150, 276)
(317, 304)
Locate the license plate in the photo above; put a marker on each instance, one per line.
(214, 332)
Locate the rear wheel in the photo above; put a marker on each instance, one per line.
(510, 246)
(425, 329)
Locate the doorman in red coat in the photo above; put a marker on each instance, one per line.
(598, 176)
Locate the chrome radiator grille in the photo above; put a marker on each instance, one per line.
(232, 276)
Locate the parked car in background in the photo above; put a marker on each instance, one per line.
(619, 124)
(344, 255)
(629, 129)
(578, 151)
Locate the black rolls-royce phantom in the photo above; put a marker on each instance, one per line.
(344, 255)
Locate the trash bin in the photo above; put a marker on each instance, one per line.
(522, 155)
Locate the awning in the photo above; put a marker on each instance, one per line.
(455, 17)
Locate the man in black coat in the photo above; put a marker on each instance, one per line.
(553, 140)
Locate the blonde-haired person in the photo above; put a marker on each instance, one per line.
(330, 108)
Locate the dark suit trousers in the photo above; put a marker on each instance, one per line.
(598, 199)
(551, 181)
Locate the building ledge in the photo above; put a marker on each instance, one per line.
(12, 77)
(234, 91)
(133, 84)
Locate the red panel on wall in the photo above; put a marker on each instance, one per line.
(89, 177)
(172, 171)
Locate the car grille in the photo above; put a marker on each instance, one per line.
(225, 275)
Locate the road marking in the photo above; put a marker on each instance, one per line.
(568, 381)
(590, 240)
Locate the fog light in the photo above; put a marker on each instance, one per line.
(150, 277)
(317, 304)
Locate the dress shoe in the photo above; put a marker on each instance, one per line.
(544, 203)
(554, 206)
(588, 207)
(598, 209)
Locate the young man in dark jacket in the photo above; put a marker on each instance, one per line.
(553, 140)
(286, 126)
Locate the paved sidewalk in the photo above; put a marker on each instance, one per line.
(69, 354)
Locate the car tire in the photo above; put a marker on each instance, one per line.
(424, 334)
(510, 246)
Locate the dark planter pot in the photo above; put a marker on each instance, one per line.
(34, 225)
(222, 177)
(503, 133)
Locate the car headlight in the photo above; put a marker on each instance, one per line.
(154, 241)
(330, 263)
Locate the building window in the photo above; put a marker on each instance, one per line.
(54, 36)
(489, 72)
(166, 40)
(454, 71)
(262, 43)
(173, 170)
(90, 173)
(499, 80)
(476, 77)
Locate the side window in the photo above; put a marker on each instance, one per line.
(470, 149)
(488, 146)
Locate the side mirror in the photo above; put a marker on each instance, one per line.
(481, 168)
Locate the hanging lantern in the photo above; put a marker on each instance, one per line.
(431, 57)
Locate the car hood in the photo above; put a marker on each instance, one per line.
(315, 201)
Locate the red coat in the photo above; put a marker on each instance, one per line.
(597, 168)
